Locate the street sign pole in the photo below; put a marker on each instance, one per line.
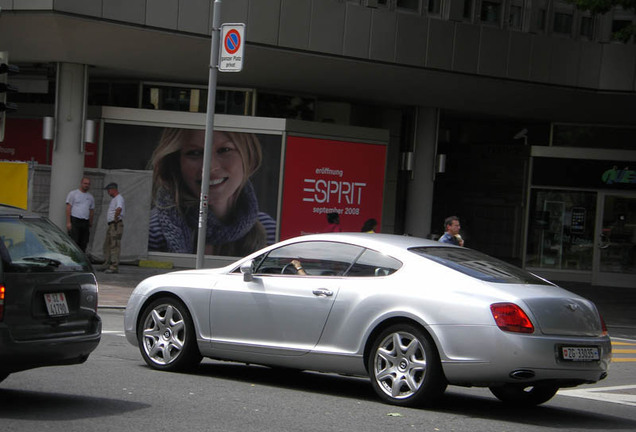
(209, 134)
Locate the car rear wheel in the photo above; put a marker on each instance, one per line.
(404, 367)
(524, 395)
(166, 336)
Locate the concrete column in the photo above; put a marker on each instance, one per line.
(420, 188)
(67, 167)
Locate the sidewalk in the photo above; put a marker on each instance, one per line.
(616, 305)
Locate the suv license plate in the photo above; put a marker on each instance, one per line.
(580, 353)
(56, 304)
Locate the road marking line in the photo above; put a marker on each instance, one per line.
(624, 351)
(604, 394)
(623, 360)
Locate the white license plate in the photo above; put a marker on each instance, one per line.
(580, 353)
(56, 304)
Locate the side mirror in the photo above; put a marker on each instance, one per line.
(246, 269)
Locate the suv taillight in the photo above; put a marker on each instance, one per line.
(2, 290)
(510, 317)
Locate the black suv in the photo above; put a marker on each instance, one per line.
(48, 295)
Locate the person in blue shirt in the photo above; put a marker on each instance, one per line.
(452, 226)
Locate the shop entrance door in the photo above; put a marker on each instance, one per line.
(615, 251)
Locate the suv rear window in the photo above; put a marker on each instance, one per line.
(479, 265)
(31, 244)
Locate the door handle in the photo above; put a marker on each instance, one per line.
(322, 292)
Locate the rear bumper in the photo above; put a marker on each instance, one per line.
(17, 356)
(486, 356)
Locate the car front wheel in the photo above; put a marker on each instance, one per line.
(167, 340)
(404, 367)
(520, 395)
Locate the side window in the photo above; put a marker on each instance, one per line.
(317, 258)
(372, 263)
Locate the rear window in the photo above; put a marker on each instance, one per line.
(30, 244)
(478, 265)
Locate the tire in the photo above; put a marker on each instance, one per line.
(520, 395)
(405, 368)
(167, 340)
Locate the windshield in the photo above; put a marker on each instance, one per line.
(35, 244)
(478, 265)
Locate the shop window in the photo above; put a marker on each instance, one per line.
(541, 14)
(194, 99)
(561, 230)
(434, 7)
(515, 17)
(563, 23)
(468, 9)
(490, 12)
(285, 106)
(621, 30)
(412, 5)
(587, 28)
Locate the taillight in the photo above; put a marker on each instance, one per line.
(510, 317)
(2, 290)
(603, 326)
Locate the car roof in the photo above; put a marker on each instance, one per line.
(377, 241)
(9, 210)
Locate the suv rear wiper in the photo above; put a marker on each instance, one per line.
(48, 261)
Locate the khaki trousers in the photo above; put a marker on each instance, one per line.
(112, 244)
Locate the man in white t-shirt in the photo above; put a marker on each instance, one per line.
(115, 219)
(80, 208)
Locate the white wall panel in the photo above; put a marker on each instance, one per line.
(564, 61)
(162, 13)
(441, 35)
(327, 26)
(589, 70)
(83, 7)
(540, 58)
(466, 49)
(294, 23)
(194, 16)
(617, 67)
(412, 34)
(383, 35)
(519, 53)
(357, 31)
(132, 11)
(493, 52)
(263, 21)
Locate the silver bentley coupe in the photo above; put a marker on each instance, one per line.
(413, 315)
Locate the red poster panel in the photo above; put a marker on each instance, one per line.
(23, 142)
(325, 176)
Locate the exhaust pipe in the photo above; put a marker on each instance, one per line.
(522, 374)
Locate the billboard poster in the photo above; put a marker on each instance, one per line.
(23, 142)
(326, 177)
(243, 193)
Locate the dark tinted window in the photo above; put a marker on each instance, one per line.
(35, 244)
(478, 265)
(372, 263)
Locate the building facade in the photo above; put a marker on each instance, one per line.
(492, 106)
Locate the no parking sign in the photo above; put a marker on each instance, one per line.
(231, 53)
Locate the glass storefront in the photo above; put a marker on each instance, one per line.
(561, 229)
(582, 220)
(618, 235)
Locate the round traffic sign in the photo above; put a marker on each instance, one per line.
(232, 41)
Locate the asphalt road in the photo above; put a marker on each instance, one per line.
(116, 391)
